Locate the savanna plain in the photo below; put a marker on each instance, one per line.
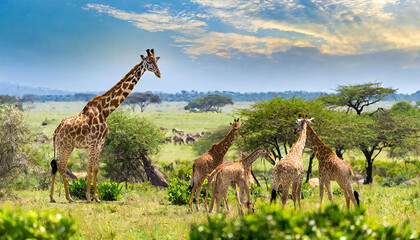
(144, 211)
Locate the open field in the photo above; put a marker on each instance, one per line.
(147, 214)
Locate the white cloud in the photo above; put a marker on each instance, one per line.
(155, 20)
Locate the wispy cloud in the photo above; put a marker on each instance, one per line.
(336, 27)
(155, 20)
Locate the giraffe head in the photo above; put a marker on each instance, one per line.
(269, 156)
(150, 62)
(236, 124)
(301, 121)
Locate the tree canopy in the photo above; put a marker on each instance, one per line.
(357, 97)
(142, 100)
(210, 102)
(272, 123)
(130, 140)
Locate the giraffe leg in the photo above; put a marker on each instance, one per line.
(52, 189)
(64, 154)
(239, 202)
(294, 192)
(330, 196)
(197, 196)
(209, 180)
(95, 188)
(227, 208)
(346, 195)
(285, 193)
(321, 190)
(299, 191)
(89, 181)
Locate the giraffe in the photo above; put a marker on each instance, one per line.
(236, 174)
(289, 170)
(332, 168)
(205, 164)
(88, 129)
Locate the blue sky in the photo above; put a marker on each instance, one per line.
(204, 45)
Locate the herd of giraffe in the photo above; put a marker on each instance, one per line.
(88, 130)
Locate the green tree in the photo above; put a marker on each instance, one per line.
(357, 97)
(210, 102)
(404, 108)
(272, 123)
(14, 137)
(127, 148)
(380, 130)
(142, 100)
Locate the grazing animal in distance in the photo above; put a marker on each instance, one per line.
(179, 140)
(89, 129)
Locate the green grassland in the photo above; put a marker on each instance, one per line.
(146, 213)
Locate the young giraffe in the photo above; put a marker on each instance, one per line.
(289, 170)
(89, 129)
(236, 173)
(205, 164)
(332, 168)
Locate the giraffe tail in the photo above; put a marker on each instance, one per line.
(54, 161)
(356, 195)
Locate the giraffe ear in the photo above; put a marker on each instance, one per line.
(231, 124)
(157, 59)
(242, 123)
(311, 120)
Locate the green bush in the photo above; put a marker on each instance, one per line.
(273, 222)
(179, 192)
(108, 191)
(18, 224)
(306, 190)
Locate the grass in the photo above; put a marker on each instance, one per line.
(146, 214)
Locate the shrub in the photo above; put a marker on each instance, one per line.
(179, 192)
(272, 222)
(108, 191)
(306, 190)
(18, 224)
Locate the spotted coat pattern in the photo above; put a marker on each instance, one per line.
(331, 168)
(88, 129)
(205, 164)
(289, 170)
(236, 174)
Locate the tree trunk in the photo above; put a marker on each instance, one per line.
(155, 177)
(369, 171)
(285, 147)
(276, 145)
(309, 172)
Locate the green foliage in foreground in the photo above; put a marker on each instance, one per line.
(18, 224)
(108, 191)
(272, 222)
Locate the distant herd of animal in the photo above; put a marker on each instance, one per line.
(88, 130)
(182, 139)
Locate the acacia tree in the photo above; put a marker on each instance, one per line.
(210, 102)
(127, 148)
(272, 123)
(142, 100)
(381, 130)
(357, 97)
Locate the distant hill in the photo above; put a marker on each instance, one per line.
(13, 89)
(47, 94)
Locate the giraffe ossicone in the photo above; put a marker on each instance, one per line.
(88, 129)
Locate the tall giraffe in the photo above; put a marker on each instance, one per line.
(236, 173)
(289, 170)
(205, 164)
(332, 168)
(89, 129)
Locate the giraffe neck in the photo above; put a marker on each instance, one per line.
(321, 150)
(298, 147)
(111, 99)
(250, 159)
(220, 149)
